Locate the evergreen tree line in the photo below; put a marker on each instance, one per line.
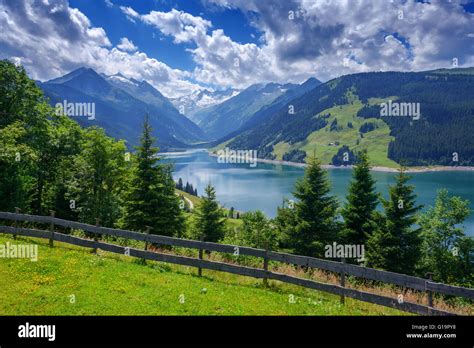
(399, 238)
(188, 188)
(48, 162)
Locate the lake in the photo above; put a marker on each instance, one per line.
(265, 186)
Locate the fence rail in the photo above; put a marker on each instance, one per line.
(341, 268)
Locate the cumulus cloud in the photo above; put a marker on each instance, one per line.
(220, 60)
(64, 40)
(126, 45)
(183, 26)
(331, 38)
(298, 39)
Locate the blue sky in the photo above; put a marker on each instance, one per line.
(151, 41)
(181, 47)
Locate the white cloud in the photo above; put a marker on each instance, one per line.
(320, 36)
(64, 40)
(183, 26)
(126, 45)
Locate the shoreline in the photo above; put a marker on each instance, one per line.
(374, 168)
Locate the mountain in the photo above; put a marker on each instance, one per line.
(268, 110)
(202, 99)
(346, 113)
(120, 105)
(219, 120)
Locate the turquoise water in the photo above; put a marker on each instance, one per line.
(265, 186)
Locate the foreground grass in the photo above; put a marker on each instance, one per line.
(110, 284)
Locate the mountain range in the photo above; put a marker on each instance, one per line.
(201, 100)
(120, 106)
(344, 115)
(221, 119)
(290, 121)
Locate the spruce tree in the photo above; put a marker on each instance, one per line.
(209, 221)
(314, 219)
(151, 200)
(395, 246)
(362, 200)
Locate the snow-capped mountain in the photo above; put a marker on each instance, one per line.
(121, 104)
(202, 99)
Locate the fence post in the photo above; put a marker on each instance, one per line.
(201, 252)
(51, 228)
(343, 279)
(265, 263)
(15, 222)
(429, 292)
(96, 238)
(147, 231)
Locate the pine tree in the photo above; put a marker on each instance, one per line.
(395, 246)
(179, 186)
(314, 220)
(209, 222)
(362, 200)
(151, 200)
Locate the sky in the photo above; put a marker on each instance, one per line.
(181, 47)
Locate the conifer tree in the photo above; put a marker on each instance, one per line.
(314, 219)
(210, 224)
(151, 200)
(362, 200)
(395, 246)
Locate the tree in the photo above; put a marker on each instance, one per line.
(15, 179)
(179, 186)
(209, 223)
(151, 199)
(41, 141)
(445, 247)
(312, 222)
(395, 246)
(98, 178)
(256, 231)
(362, 200)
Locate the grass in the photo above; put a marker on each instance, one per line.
(111, 284)
(192, 198)
(230, 223)
(322, 142)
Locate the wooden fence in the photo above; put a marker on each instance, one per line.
(404, 281)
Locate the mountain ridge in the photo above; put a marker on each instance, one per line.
(120, 107)
(354, 100)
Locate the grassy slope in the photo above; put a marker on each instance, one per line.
(231, 223)
(376, 142)
(110, 284)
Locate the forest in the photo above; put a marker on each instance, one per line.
(444, 127)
